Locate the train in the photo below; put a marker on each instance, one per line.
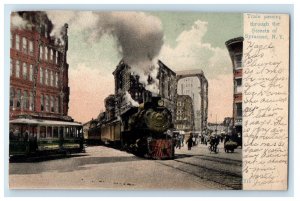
(36, 137)
(142, 130)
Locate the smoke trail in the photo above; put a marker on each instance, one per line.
(139, 36)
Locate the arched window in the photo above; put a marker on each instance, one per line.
(46, 77)
(41, 75)
(31, 102)
(24, 71)
(30, 72)
(11, 97)
(17, 69)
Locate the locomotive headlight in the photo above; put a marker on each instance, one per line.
(160, 103)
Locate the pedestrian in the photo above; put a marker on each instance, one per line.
(190, 142)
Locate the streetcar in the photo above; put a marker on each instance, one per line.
(38, 136)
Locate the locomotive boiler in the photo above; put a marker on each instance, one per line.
(142, 130)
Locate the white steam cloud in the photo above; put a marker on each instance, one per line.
(139, 36)
(18, 22)
(130, 100)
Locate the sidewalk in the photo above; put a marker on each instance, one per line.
(202, 149)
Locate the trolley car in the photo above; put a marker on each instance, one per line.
(36, 136)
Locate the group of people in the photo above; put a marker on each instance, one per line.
(213, 140)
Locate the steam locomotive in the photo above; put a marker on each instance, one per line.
(141, 130)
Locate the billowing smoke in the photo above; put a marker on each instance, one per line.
(28, 19)
(139, 37)
(129, 100)
(18, 22)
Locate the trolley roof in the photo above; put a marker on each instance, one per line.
(43, 122)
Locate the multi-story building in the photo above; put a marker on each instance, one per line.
(194, 84)
(184, 113)
(38, 69)
(127, 82)
(235, 48)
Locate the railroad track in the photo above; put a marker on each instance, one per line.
(217, 173)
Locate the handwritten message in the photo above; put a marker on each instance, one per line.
(265, 101)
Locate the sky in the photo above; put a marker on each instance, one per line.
(183, 40)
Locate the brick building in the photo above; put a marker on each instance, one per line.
(235, 48)
(38, 69)
(184, 113)
(126, 81)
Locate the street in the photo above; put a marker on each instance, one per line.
(102, 167)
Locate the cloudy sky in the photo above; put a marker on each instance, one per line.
(181, 41)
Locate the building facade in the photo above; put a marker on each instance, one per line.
(235, 48)
(38, 69)
(127, 83)
(184, 113)
(194, 84)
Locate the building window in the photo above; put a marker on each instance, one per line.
(17, 69)
(11, 97)
(238, 85)
(42, 102)
(56, 104)
(46, 77)
(24, 71)
(43, 132)
(31, 102)
(17, 42)
(46, 53)
(11, 67)
(41, 52)
(51, 54)
(25, 100)
(31, 48)
(24, 45)
(30, 72)
(238, 60)
(51, 79)
(49, 132)
(55, 132)
(56, 57)
(47, 103)
(46, 30)
(18, 98)
(239, 110)
(52, 103)
(56, 79)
